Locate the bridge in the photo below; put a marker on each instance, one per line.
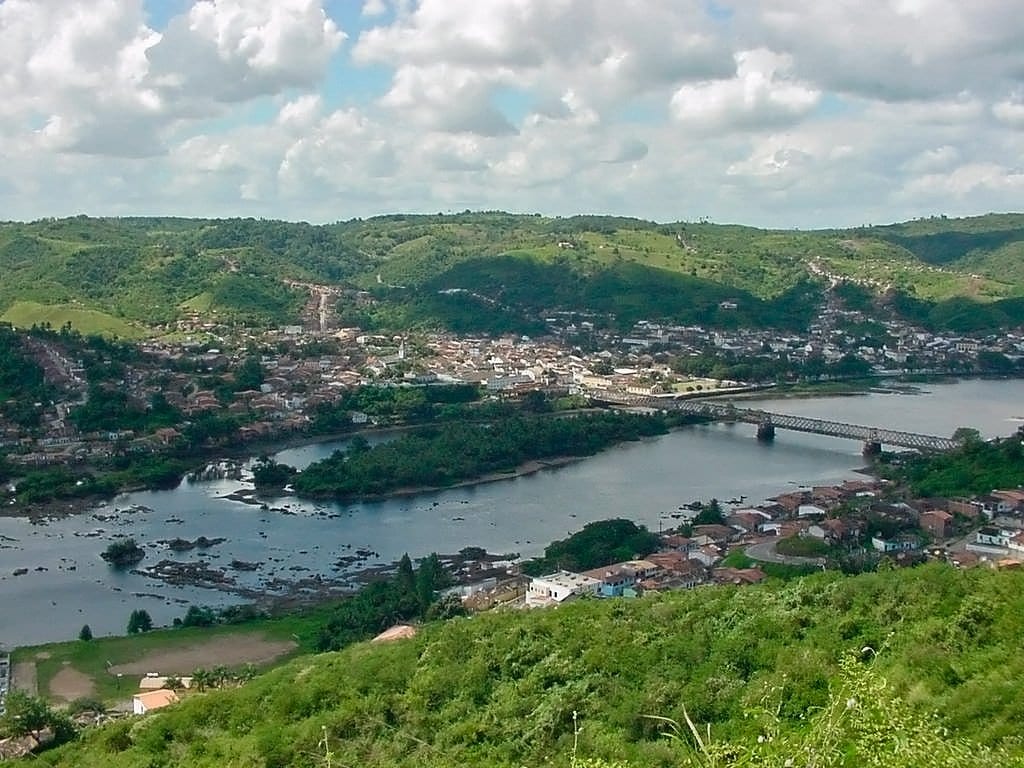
(767, 422)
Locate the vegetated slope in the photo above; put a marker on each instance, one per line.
(153, 271)
(935, 672)
(495, 271)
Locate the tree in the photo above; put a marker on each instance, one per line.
(85, 633)
(139, 621)
(249, 374)
(710, 514)
(406, 578)
(123, 552)
(268, 473)
(26, 714)
(220, 675)
(429, 578)
(201, 678)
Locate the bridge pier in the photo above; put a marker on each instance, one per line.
(872, 448)
(765, 432)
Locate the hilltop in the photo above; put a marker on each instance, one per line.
(897, 668)
(495, 272)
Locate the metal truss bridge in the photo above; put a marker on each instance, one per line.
(767, 422)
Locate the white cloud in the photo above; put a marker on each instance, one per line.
(374, 8)
(762, 94)
(784, 113)
(1010, 111)
(234, 50)
(894, 49)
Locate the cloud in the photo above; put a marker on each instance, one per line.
(456, 54)
(102, 82)
(235, 50)
(894, 50)
(374, 8)
(1010, 111)
(779, 112)
(762, 94)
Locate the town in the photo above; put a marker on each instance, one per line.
(272, 382)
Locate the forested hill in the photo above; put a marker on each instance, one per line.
(919, 667)
(494, 272)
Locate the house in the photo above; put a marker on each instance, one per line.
(617, 579)
(158, 699)
(708, 555)
(901, 543)
(677, 543)
(559, 587)
(719, 534)
(810, 510)
(677, 571)
(993, 505)
(833, 530)
(937, 523)
(738, 575)
(1013, 497)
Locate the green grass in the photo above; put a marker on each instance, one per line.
(775, 671)
(24, 314)
(802, 546)
(93, 657)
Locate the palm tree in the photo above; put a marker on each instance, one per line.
(201, 679)
(220, 675)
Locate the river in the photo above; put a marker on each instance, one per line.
(68, 584)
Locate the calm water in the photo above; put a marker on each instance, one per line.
(644, 481)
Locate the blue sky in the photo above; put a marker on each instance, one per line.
(766, 112)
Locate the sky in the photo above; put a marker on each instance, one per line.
(778, 113)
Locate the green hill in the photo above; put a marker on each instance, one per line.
(495, 271)
(912, 668)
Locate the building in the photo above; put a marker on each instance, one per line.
(621, 578)
(558, 587)
(937, 523)
(901, 543)
(158, 699)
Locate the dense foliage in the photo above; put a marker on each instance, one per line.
(976, 467)
(916, 667)
(408, 405)
(21, 381)
(448, 453)
(123, 552)
(599, 543)
(411, 593)
(497, 272)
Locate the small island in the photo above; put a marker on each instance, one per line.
(123, 553)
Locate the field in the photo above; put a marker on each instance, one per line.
(65, 671)
(24, 314)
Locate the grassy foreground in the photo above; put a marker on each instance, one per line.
(909, 668)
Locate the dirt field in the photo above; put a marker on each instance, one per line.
(70, 684)
(24, 678)
(232, 651)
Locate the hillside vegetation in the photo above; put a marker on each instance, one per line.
(496, 272)
(910, 668)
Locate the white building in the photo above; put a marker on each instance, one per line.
(158, 699)
(558, 587)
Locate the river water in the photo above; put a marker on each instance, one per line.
(68, 584)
